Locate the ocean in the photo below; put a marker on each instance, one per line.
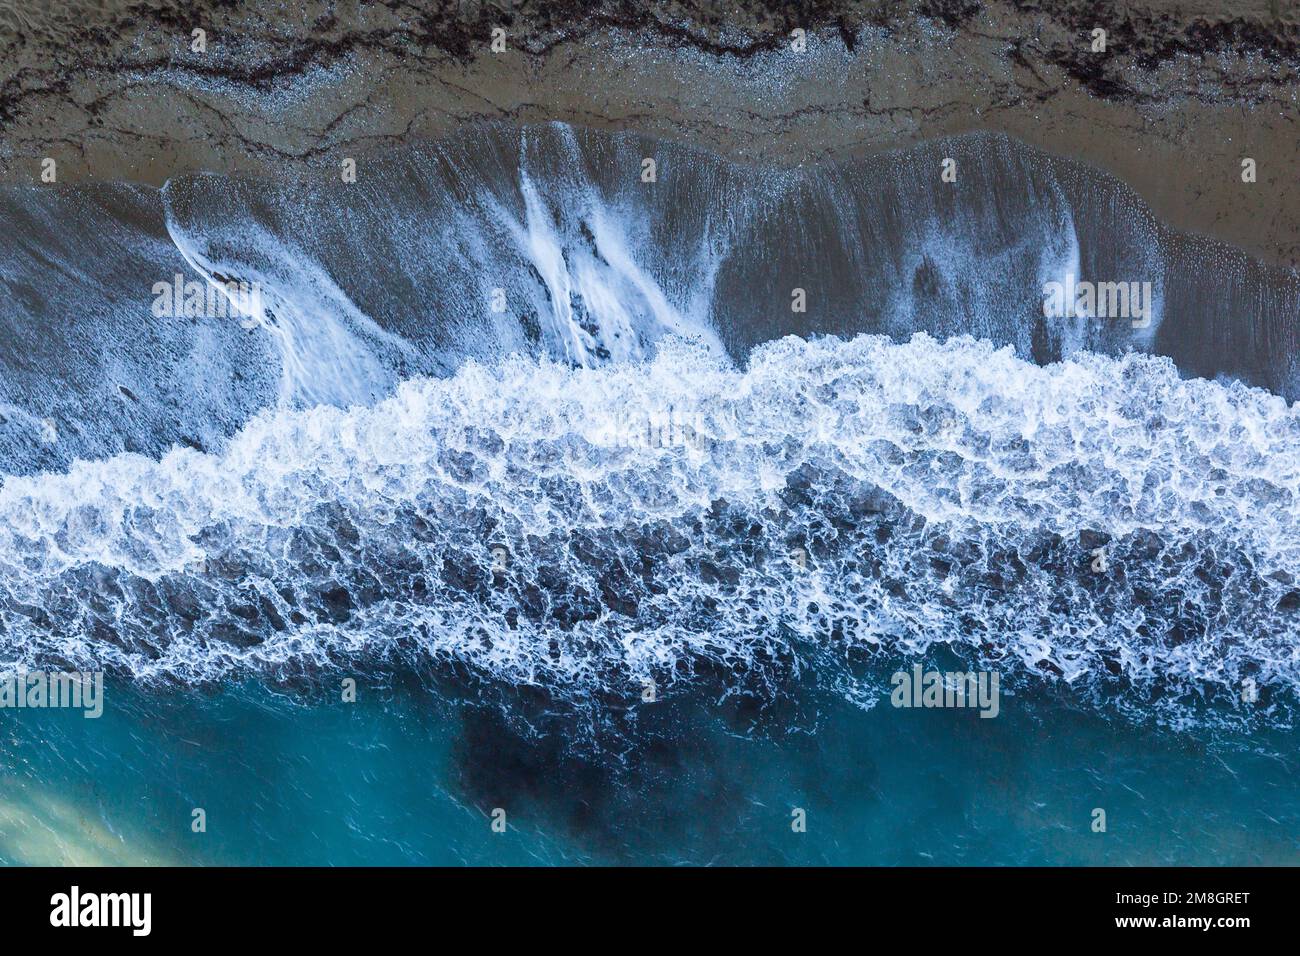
(547, 505)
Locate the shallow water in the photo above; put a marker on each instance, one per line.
(398, 779)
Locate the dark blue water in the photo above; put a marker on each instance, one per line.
(400, 778)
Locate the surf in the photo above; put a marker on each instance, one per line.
(946, 494)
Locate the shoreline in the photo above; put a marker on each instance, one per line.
(138, 105)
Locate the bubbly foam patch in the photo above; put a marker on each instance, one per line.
(835, 506)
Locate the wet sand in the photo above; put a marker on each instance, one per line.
(1182, 94)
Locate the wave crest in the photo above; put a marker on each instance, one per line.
(834, 505)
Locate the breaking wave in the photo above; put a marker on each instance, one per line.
(828, 510)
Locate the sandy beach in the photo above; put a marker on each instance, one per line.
(1181, 95)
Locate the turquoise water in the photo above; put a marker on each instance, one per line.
(402, 777)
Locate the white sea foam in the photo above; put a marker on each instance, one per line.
(329, 350)
(946, 493)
